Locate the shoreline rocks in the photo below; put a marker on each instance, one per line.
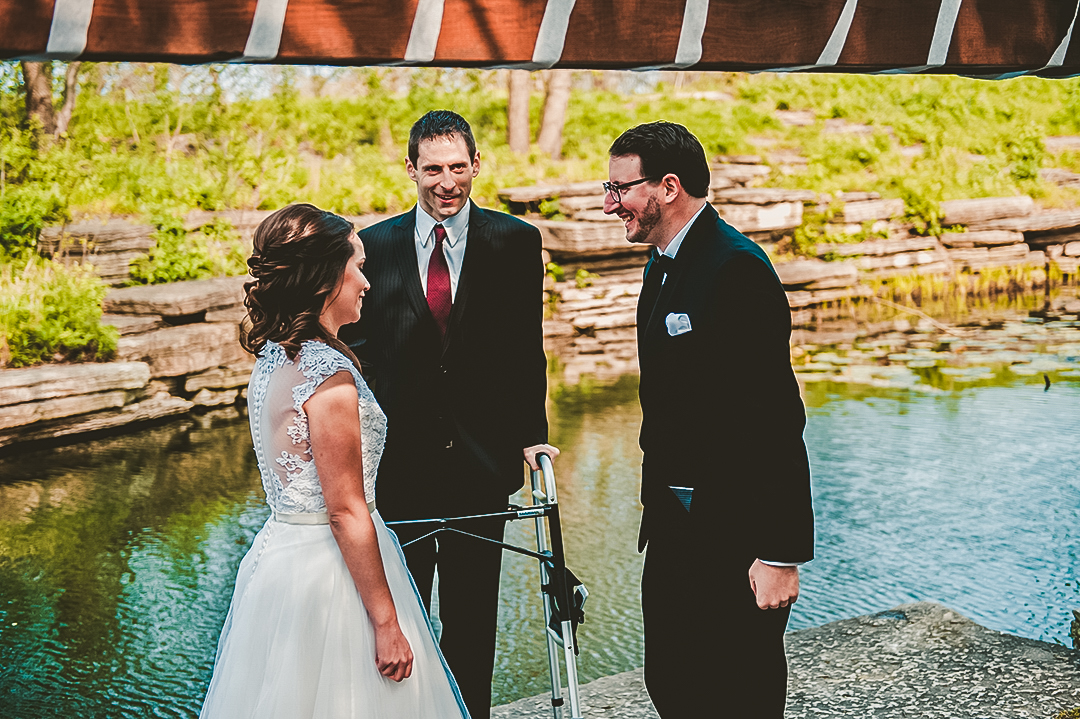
(178, 350)
(916, 660)
(185, 334)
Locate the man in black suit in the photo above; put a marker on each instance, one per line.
(452, 334)
(725, 479)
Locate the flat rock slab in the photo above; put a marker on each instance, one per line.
(761, 196)
(759, 218)
(803, 272)
(618, 697)
(157, 407)
(570, 240)
(871, 210)
(177, 299)
(987, 238)
(917, 660)
(34, 384)
(984, 209)
(184, 350)
(112, 235)
(880, 248)
(536, 193)
(925, 660)
(1035, 222)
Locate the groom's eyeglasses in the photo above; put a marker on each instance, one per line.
(616, 188)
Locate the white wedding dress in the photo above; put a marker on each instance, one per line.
(297, 642)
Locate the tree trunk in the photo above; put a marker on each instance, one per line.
(555, 104)
(517, 111)
(71, 91)
(37, 80)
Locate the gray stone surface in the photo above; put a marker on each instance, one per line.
(178, 298)
(183, 350)
(983, 209)
(917, 660)
(33, 384)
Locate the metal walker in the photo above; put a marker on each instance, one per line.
(563, 595)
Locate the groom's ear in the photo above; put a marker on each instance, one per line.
(410, 170)
(672, 186)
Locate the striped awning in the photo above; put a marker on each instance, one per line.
(972, 37)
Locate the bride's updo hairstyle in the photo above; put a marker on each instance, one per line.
(300, 254)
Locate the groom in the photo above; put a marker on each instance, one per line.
(452, 336)
(725, 479)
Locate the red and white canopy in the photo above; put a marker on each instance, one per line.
(972, 37)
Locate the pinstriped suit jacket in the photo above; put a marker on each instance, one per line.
(482, 387)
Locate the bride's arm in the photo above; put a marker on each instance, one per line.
(334, 429)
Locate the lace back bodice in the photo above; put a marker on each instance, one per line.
(279, 429)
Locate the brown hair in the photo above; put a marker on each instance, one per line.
(299, 256)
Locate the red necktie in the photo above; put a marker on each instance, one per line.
(438, 283)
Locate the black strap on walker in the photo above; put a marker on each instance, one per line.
(564, 588)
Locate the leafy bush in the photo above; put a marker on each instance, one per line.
(49, 313)
(179, 255)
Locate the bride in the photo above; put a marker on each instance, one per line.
(325, 620)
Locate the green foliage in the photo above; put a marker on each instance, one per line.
(816, 229)
(154, 141)
(550, 209)
(555, 272)
(179, 255)
(583, 278)
(31, 192)
(49, 312)
(1025, 153)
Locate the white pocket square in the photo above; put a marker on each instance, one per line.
(677, 324)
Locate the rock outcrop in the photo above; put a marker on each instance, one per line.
(917, 660)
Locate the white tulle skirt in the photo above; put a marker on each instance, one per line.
(298, 644)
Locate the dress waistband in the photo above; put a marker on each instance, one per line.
(310, 517)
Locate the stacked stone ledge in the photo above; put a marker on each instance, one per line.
(1000, 232)
(185, 334)
(178, 351)
(111, 245)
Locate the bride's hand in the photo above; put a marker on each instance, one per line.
(393, 655)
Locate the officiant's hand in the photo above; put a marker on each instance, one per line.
(393, 655)
(531, 452)
(774, 587)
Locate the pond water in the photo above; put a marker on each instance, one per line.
(945, 469)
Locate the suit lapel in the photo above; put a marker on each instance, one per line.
(406, 262)
(698, 234)
(694, 237)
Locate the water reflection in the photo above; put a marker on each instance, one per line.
(117, 557)
(114, 561)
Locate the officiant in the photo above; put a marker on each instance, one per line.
(452, 341)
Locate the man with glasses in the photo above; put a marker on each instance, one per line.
(725, 478)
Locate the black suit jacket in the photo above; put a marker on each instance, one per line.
(482, 388)
(721, 406)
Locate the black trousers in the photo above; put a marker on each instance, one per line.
(709, 650)
(469, 571)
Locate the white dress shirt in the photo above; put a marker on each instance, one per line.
(457, 231)
(671, 251)
(672, 248)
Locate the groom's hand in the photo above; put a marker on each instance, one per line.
(774, 587)
(531, 452)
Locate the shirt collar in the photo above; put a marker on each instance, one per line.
(676, 242)
(456, 227)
